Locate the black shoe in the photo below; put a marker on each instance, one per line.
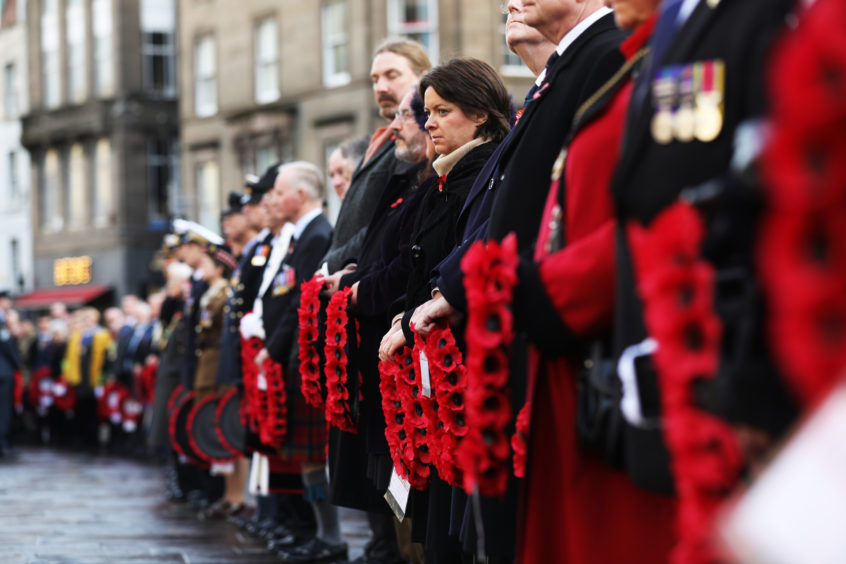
(286, 540)
(315, 551)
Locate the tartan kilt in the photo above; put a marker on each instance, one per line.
(308, 431)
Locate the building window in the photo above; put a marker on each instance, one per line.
(50, 75)
(336, 49)
(163, 181)
(512, 65)
(266, 155)
(51, 192)
(14, 186)
(159, 64)
(75, 50)
(415, 19)
(10, 92)
(104, 63)
(208, 194)
(205, 77)
(77, 184)
(158, 26)
(267, 61)
(103, 209)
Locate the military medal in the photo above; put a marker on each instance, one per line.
(260, 258)
(709, 102)
(663, 93)
(684, 119)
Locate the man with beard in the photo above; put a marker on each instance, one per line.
(397, 65)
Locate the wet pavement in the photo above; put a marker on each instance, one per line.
(65, 507)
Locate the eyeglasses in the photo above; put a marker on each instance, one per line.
(503, 7)
(404, 115)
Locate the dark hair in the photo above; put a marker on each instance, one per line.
(417, 110)
(476, 88)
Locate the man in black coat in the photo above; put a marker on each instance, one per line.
(9, 363)
(723, 45)
(397, 65)
(296, 196)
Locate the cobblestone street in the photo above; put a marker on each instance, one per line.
(63, 507)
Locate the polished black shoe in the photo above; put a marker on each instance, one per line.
(315, 551)
(287, 540)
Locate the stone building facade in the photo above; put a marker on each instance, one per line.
(102, 131)
(269, 80)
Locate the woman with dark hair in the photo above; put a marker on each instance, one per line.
(468, 113)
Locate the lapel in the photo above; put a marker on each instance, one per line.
(377, 156)
(484, 179)
(564, 62)
(681, 48)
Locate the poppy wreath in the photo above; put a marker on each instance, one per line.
(406, 422)
(109, 402)
(801, 253)
(251, 401)
(518, 441)
(18, 391)
(64, 396)
(309, 332)
(676, 287)
(445, 411)
(490, 274)
(38, 390)
(146, 383)
(273, 420)
(338, 411)
(192, 416)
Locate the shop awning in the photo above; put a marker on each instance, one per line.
(71, 296)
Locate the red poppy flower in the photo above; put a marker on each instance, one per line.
(490, 366)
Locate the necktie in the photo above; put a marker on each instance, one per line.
(551, 60)
(665, 29)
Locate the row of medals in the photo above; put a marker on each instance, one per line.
(702, 121)
(699, 114)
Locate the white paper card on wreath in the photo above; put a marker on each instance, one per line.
(425, 378)
(796, 509)
(397, 494)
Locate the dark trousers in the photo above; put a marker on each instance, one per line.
(7, 386)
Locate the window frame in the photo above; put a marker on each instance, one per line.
(332, 78)
(396, 27)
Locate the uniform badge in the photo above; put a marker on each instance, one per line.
(663, 97)
(205, 319)
(260, 256)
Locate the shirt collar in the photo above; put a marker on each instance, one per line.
(580, 27)
(686, 9)
(303, 222)
(574, 34)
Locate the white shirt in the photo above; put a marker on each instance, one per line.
(686, 9)
(574, 34)
(278, 249)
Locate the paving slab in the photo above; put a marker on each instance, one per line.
(66, 507)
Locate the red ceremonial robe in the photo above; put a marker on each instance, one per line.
(575, 508)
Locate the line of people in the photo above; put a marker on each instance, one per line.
(553, 333)
(534, 334)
